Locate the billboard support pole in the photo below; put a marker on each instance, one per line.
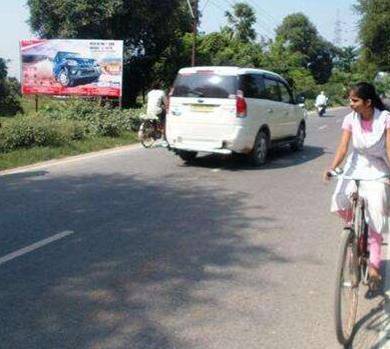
(36, 103)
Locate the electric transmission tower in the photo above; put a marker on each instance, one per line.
(338, 40)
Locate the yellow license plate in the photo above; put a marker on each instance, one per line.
(202, 108)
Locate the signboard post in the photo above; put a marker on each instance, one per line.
(72, 67)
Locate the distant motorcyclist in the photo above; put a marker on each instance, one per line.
(321, 103)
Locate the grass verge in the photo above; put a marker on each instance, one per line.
(22, 157)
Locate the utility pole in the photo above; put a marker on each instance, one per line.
(194, 13)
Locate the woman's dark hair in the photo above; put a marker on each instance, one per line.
(156, 85)
(365, 91)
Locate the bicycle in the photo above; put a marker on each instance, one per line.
(150, 130)
(352, 267)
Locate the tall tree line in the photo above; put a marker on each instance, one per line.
(150, 29)
(158, 40)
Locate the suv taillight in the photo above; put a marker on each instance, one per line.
(240, 105)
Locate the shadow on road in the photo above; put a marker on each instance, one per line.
(140, 258)
(370, 330)
(280, 157)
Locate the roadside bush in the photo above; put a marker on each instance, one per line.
(336, 92)
(383, 86)
(26, 132)
(64, 121)
(303, 83)
(309, 104)
(101, 121)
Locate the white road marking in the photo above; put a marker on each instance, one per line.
(34, 246)
(215, 170)
(323, 127)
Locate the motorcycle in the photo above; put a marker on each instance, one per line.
(321, 110)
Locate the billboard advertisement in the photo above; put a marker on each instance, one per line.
(72, 67)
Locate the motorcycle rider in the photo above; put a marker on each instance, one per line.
(321, 102)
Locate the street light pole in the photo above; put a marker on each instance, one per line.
(194, 33)
(194, 14)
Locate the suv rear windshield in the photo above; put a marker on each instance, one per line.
(207, 85)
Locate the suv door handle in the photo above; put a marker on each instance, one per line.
(270, 110)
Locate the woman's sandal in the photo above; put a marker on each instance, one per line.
(374, 279)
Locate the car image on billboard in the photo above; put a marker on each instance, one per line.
(70, 69)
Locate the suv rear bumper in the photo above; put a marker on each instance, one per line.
(200, 147)
(238, 140)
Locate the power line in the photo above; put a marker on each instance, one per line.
(272, 20)
(268, 17)
(205, 5)
(264, 28)
(217, 5)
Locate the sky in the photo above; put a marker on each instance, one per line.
(323, 14)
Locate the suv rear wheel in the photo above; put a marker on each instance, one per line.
(259, 153)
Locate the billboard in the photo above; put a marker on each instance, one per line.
(72, 67)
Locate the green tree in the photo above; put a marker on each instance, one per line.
(9, 92)
(240, 22)
(221, 49)
(148, 28)
(282, 59)
(289, 64)
(375, 31)
(3, 69)
(298, 34)
(346, 57)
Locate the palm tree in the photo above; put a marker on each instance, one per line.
(240, 22)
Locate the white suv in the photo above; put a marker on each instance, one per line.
(232, 110)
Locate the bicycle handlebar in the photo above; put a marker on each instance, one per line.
(339, 173)
(335, 173)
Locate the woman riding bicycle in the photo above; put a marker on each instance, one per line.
(368, 126)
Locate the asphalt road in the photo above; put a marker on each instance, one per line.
(150, 253)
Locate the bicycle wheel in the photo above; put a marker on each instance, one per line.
(146, 133)
(361, 229)
(347, 287)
